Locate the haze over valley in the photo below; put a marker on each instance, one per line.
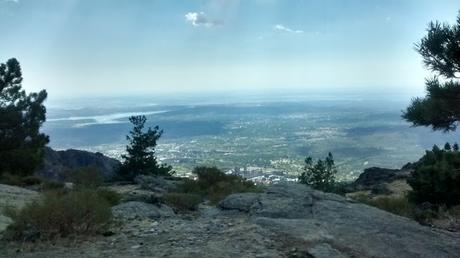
(254, 134)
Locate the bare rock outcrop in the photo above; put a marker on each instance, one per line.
(332, 224)
(286, 220)
(57, 164)
(374, 176)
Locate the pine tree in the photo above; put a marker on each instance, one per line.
(440, 50)
(455, 147)
(21, 116)
(320, 176)
(141, 156)
(447, 147)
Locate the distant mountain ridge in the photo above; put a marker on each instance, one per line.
(57, 164)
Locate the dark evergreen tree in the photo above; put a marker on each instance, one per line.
(21, 116)
(141, 157)
(321, 175)
(440, 50)
(447, 147)
(455, 147)
(437, 178)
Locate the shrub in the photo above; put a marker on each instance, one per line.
(21, 181)
(191, 186)
(183, 201)
(437, 178)
(75, 213)
(341, 188)
(425, 213)
(89, 177)
(209, 176)
(113, 198)
(51, 185)
(396, 205)
(215, 185)
(31, 180)
(320, 176)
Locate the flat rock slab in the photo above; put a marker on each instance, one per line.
(240, 202)
(349, 228)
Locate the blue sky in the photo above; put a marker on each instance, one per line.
(116, 47)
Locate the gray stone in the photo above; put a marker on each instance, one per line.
(324, 250)
(157, 183)
(241, 202)
(133, 192)
(13, 197)
(141, 210)
(4, 222)
(294, 201)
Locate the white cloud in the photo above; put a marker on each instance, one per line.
(199, 19)
(282, 28)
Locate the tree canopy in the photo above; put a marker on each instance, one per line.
(21, 116)
(440, 108)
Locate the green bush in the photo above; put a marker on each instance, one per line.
(183, 201)
(113, 198)
(55, 215)
(437, 178)
(89, 177)
(215, 185)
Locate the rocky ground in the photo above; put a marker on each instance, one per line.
(283, 221)
(15, 197)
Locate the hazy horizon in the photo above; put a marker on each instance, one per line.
(234, 97)
(270, 132)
